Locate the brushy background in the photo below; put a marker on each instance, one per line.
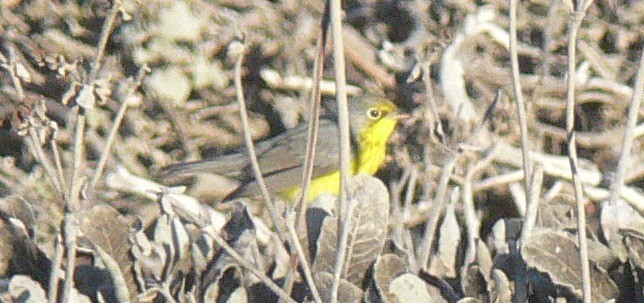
(171, 63)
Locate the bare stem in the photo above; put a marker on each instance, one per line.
(120, 285)
(343, 209)
(56, 262)
(627, 144)
(431, 101)
(250, 147)
(305, 268)
(108, 144)
(575, 21)
(44, 161)
(311, 142)
(115, 127)
(533, 203)
(70, 231)
(79, 152)
(314, 103)
(518, 95)
(106, 31)
(440, 200)
(57, 161)
(70, 226)
(291, 238)
(472, 221)
(164, 290)
(252, 268)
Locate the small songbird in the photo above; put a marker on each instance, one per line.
(281, 159)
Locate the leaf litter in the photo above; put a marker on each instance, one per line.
(139, 241)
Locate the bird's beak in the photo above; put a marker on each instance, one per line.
(400, 116)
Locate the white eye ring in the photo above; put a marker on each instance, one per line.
(374, 113)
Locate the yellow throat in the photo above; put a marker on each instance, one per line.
(372, 138)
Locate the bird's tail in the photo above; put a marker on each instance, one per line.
(230, 166)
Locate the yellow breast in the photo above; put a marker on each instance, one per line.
(372, 151)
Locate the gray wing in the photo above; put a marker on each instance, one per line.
(280, 159)
(275, 154)
(282, 165)
(228, 165)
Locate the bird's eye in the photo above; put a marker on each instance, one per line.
(374, 113)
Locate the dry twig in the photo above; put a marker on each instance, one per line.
(629, 136)
(576, 18)
(518, 95)
(344, 209)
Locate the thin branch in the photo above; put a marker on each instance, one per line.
(472, 221)
(108, 144)
(576, 19)
(164, 290)
(343, 209)
(297, 83)
(395, 188)
(77, 164)
(530, 217)
(518, 95)
(70, 227)
(56, 262)
(629, 135)
(411, 190)
(57, 161)
(70, 230)
(440, 200)
(120, 285)
(250, 267)
(44, 161)
(301, 241)
(305, 268)
(431, 101)
(55, 177)
(284, 237)
(248, 140)
(106, 31)
(404, 234)
(533, 203)
(314, 119)
(134, 85)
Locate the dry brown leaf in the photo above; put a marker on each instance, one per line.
(368, 230)
(555, 254)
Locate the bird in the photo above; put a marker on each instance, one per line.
(372, 120)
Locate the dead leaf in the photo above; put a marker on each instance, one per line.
(410, 288)
(347, 292)
(385, 269)
(555, 254)
(164, 259)
(106, 227)
(368, 230)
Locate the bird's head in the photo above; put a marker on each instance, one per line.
(373, 119)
